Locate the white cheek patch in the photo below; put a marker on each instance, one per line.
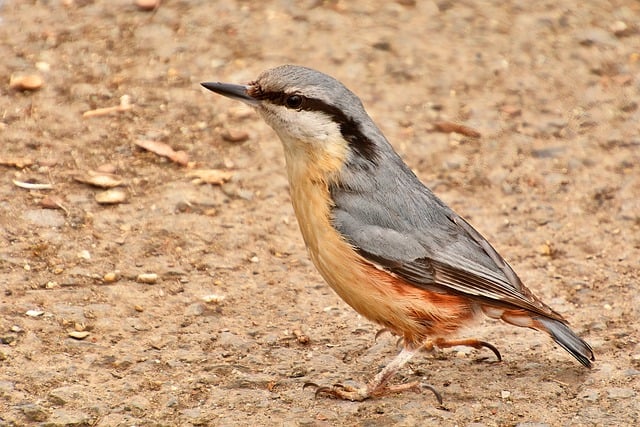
(305, 126)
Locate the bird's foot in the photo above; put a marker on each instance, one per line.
(358, 394)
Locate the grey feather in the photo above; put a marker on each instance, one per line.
(391, 217)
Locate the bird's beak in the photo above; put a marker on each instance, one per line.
(237, 92)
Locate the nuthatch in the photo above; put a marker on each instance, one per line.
(383, 241)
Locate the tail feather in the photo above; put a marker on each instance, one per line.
(568, 340)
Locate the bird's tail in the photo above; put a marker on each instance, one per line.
(567, 339)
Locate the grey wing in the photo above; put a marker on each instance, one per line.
(415, 236)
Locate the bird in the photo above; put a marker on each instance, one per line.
(380, 238)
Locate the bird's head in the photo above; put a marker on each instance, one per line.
(308, 110)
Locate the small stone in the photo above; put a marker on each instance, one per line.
(34, 313)
(620, 393)
(195, 309)
(111, 277)
(505, 394)
(235, 136)
(7, 339)
(254, 259)
(590, 395)
(79, 335)
(27, 82)
(66, 394)
(147, 5)
(51, 284)
(620, 29)
(64, 418)
(111, 197)
(34, 412)
(84, 254)
(213, 298)
(45, 67)
(193, 414)
(6, 387)
(148, 278)
(17, 329)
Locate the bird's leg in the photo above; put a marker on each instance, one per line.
(470, 342)
(378, 386)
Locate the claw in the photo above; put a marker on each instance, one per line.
(399, 342)
(321, 390)
(380, 332)
(492, 348)
(434, 391)
(310, 384)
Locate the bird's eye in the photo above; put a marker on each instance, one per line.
(293, 101)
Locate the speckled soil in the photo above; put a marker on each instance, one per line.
(238, 319)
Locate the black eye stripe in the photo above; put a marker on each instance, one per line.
(349, 129)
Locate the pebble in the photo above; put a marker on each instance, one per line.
(138, 404)
(111, 277)
(27, 82)
(34, 412)
(6, 387)
(213, 298)
(195, 309)
(192, 413)
(590, 395)
(148, 278)
(620, 29)
(620, 393)
(235, 136)
(111, 197)
(61, 418)
(67, 394)
(147, 5)
(79, 335)
(34, 313)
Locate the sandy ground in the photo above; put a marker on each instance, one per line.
(238, 319)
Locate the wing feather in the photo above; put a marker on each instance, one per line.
(412, 234)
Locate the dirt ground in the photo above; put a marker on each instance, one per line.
(238, 319)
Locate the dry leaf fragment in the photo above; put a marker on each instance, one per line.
(210, 176)
(53, 202)
(450, 127)
(162, 149)
(99, 179)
